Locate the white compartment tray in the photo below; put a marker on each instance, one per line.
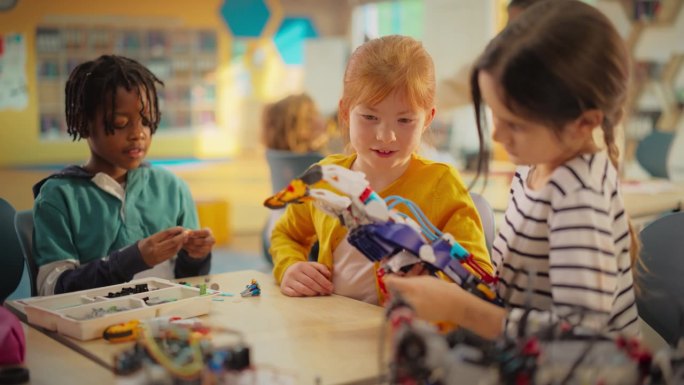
(85, 314)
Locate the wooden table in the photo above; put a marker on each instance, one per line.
(649, 199)
(644, 201)
(322, 340)
(50, 362)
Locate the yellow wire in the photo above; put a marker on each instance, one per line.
(189, 370)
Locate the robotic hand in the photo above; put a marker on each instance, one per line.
(382, 233)
(362, 206)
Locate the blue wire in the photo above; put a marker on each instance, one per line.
(415, 210)
(424, 230)
(430, 231)
(419, 218)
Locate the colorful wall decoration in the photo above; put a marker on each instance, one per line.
(221, 62)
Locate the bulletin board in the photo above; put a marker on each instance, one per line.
(13, 82)
(184, 59)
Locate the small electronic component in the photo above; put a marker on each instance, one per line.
(251, 290)
(139, 288)
(180, 349)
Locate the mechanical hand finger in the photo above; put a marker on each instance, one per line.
(296, 192)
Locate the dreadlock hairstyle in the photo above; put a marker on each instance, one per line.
(92, 85)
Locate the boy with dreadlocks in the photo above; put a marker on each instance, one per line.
(106, 221)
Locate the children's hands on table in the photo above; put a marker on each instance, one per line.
(199, 242)
(431, 297)
(307, 279)
(161, 246)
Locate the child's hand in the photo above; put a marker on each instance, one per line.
(307, 279)
(199, 243)
(161, 246)
(431, 298)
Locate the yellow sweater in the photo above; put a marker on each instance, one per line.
(435, 187)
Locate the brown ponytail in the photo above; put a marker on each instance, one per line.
(614, 156)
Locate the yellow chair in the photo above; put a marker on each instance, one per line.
(214, 213)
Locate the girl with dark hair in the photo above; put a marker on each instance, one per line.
(565, 249)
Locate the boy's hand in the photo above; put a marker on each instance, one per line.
(161, 246)
(199, 243)
(307, 279)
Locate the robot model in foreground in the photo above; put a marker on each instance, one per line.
(383, 234)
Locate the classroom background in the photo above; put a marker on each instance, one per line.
(223, 60)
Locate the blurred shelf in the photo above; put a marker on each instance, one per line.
(181, 57)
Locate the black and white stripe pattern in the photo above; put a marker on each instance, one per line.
(564, 249)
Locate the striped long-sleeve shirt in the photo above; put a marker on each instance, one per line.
(563, 250)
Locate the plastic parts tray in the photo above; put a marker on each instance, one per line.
(85, 314)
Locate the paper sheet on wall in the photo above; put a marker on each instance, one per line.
(13, 86)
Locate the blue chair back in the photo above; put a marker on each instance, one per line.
(652, 153)
(487, 217)
(23, 224)
(285, 166)
(660, 298)
(11, 257)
